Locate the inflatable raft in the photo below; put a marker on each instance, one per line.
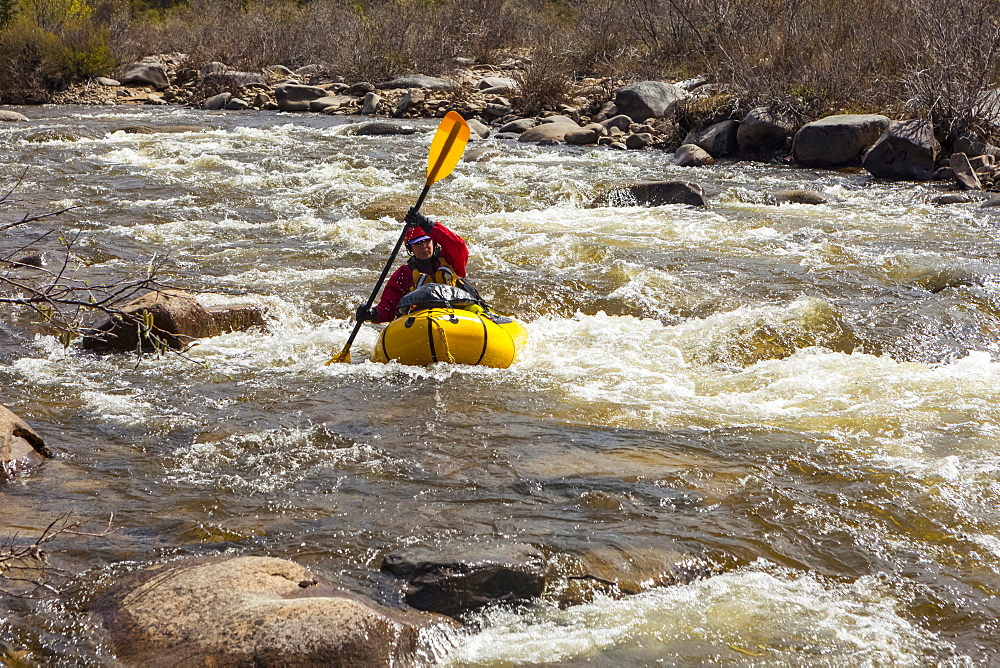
(446, 330)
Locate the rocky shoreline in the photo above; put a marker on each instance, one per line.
(693, 120)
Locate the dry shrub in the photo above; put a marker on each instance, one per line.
(956, 71)
(545, 82)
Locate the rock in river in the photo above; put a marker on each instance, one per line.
(252, 611)
(20, 447)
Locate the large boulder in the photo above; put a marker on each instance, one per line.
(459, 578)
(653, 193)
(296, 97)
(906, 151)
(518, 126)
(718, 140)
(588, 134)
(174, 318)
(145, 74)
(252, 611)
(548, 131)
(20, 447)
(972, 146)
(837, 141)
(765, 131)
(648, 99)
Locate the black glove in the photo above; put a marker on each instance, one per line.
(416, 219)
(365, 314)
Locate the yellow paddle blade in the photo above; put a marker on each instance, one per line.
(447, 148)
(343, 357)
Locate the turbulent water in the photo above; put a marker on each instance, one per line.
(802, 399)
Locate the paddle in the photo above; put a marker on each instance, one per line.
(447, 147)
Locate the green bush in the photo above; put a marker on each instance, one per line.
(49, 44)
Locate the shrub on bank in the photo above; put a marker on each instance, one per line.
(48, 44)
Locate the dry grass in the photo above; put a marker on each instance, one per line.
(919, 57)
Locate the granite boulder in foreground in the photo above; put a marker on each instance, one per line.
(253, 611)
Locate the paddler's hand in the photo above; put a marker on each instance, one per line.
(416, 219)
(365, 314)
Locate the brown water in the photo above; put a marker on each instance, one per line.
(802, 398)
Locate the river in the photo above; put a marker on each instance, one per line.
(801, 398)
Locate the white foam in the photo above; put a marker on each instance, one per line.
(748, 616)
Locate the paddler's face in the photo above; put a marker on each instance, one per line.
(423, 250)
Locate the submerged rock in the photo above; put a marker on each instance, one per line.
(653, 193)
(617, 573)
(252, 611)
(463, 577)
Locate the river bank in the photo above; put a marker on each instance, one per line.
(694, 120)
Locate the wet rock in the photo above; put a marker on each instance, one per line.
(36, 260)
(518, 126)
(478, 129)
(719, 139)
(237, 104)
(764, 131)
(145, 74)
(216, 102)
(296, 97)
(653, 193)
(907, 150)
(379, 128)
(648, 99)
(799, 197)
(837, 141)
(176, 319)
(252, 611)
(691, 155)
(994, 202)
(418, 81)
(238, 318)
(964, 174)
(464, 577)
(618, 573)
(21, 449)
(11, 116)
(954, 198)
(480, 154)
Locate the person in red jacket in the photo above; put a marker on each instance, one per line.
(437, 255)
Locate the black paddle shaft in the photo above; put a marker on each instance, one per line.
(385, 269)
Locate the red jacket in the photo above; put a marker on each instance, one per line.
(453, 249)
